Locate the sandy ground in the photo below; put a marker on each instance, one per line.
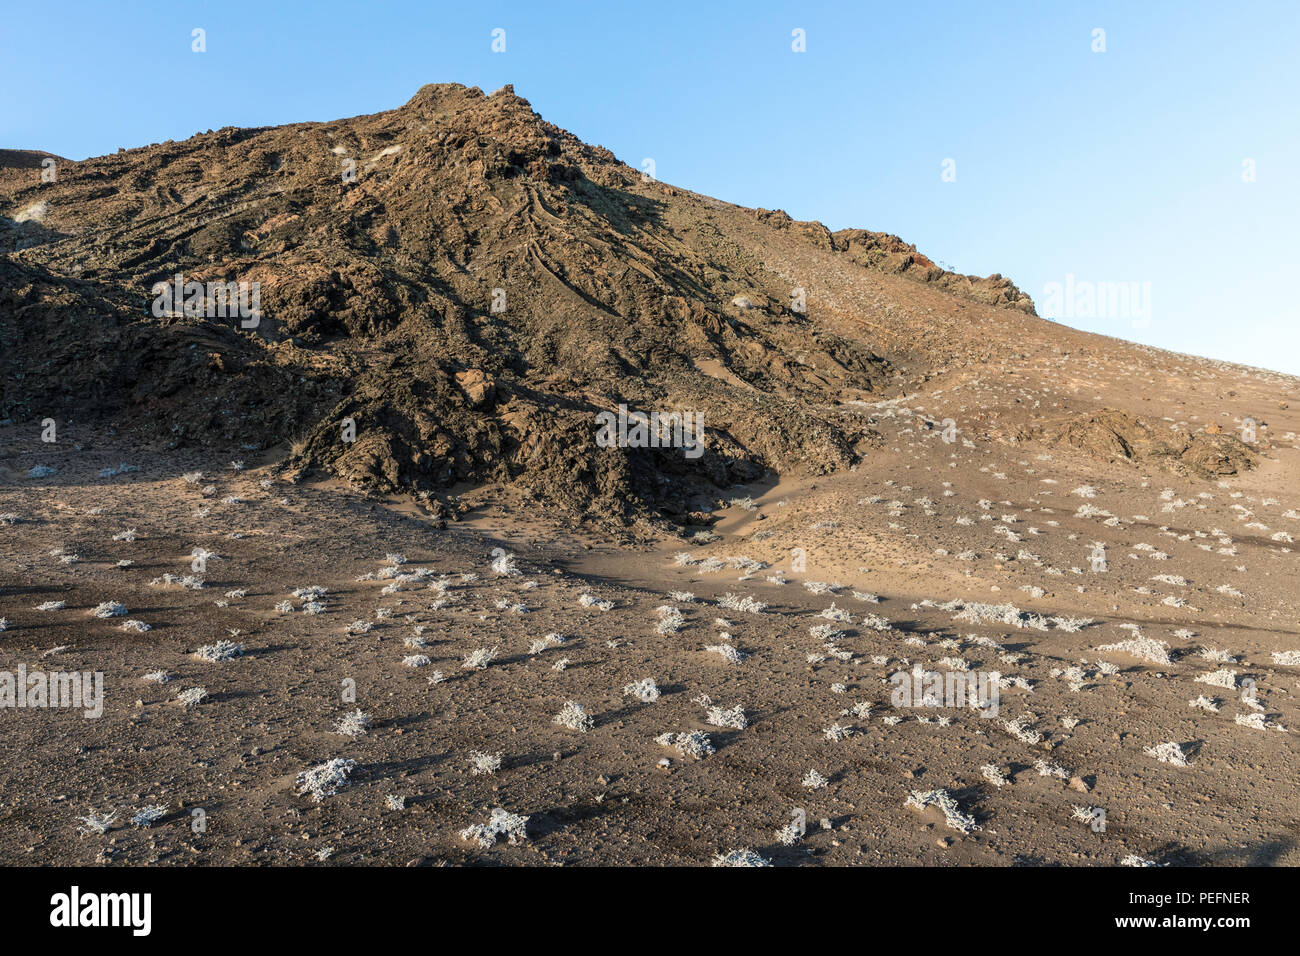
(1200, 572)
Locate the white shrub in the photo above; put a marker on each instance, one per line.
(1257, 722)
(670, 620)
(690, 744)
(1223, 677)
(726, 652)
(814, 780)
(1046, 769)
(746, 605)
(326, 779)
(354, 724)
(993, 775)
(952, 812)
(98, 823)
(573, 716)
(148, 816)
(479, 659)
(733, 717)
(1071, 625)
(218, 652)
(643, 690)
(1168, 753)
(977, 613)
(790, 834)
(834, 613)
(743, 857)
(191, 697)
(1022, 728)
(549, 641)
(587, 599)
(1143, 648)
(501, 824)
(484, 762)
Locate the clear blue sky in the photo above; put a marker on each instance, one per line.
(1122, 166)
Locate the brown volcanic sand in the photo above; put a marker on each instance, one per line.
(600, 796)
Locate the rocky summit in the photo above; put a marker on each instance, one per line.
(469, 286)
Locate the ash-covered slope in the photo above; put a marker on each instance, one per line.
(470, 286)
